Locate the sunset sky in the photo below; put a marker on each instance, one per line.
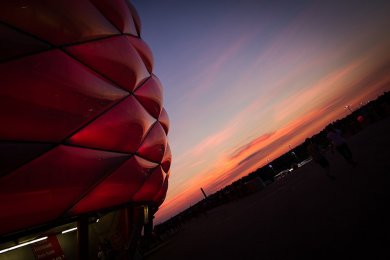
(245, 79)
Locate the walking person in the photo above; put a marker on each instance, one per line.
(337, 141)
(315, 152)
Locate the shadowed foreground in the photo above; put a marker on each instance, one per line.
(304, 215)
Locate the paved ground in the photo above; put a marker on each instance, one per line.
(304, 215)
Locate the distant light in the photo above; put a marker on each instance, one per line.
(23, 244)
(146, 214)
(69, 230)
(97, 220)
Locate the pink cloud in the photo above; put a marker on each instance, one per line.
(248, 147)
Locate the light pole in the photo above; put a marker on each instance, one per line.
(204, 193)
(270, 166)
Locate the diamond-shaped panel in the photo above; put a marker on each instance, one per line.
(45, 97)
(118, 12)
(120, 129)
(150, 96)
(160, 197)
(151, 186)
(115, 58)
(164, 120)
(14, 43)
(144, 51)
(58, 22)
(44, 188)
(153, 147)
(117, 188)
(136, 17)
(14, 155)
(167, 159)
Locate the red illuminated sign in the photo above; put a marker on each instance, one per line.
(48, 249)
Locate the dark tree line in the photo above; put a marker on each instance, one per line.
(350, 125)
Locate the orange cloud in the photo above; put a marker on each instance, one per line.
(301, 115)
(233, 165)
(247, 147)
(329, 87)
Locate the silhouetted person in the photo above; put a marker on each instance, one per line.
(318, 157)
(101, 254)
(338, 141)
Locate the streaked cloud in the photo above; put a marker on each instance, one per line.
(258, 77)
(257, 142)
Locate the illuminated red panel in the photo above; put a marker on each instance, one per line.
(115, 58)
(150, 96)
(14, 155)
(153, 147)
(47, 103)
(120, 129)
(46, 187)
(167, 159)
(136, 17)
(164, 120)
(118, 188)
(14, 43)
(118, 12)
(160, 197)
(50, 93)
(144, 51)
(58, 22)
(151, 186)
